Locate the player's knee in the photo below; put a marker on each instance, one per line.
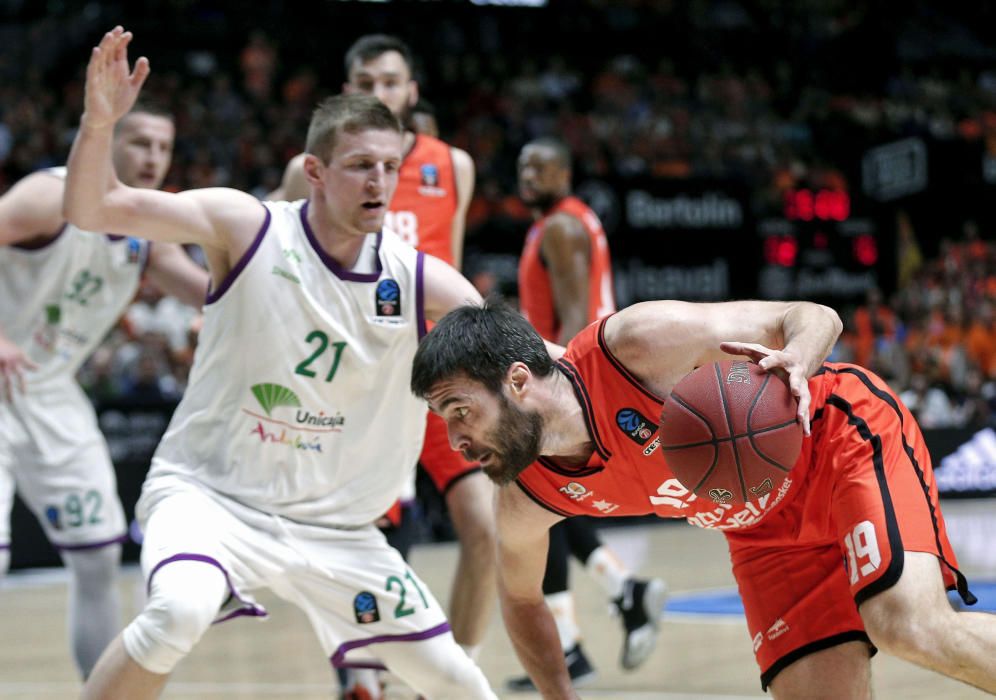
(165, 631)
(898, 627)
(94, 569)
(184, 601)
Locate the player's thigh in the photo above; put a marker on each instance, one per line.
(840, 672)
(914, 611)
(357, 592)
(182, 524)
(63, 469)
(883, 495)
(797, 602)
(75, 499)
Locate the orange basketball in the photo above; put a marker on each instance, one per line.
(729, 432)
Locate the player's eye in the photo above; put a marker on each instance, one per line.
(462, 412)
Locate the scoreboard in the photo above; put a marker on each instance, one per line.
(822, 246)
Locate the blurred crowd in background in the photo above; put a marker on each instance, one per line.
(771, 93)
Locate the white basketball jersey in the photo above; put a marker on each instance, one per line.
(299, 401)
(59, 300)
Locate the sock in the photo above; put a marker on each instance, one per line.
(562, 607)
(608, 571)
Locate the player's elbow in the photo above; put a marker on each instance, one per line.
(834, 318)
(97, 214)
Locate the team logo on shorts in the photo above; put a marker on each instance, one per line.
(388, 298)
(52, 515)
(365, 608)
(720, 495)
(637, 426)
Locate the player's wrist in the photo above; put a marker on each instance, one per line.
(91, 123)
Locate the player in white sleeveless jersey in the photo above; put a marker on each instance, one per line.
(297, 429)
(62, 289)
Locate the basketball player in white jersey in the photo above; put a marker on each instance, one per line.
(297, 428)
(61, 291)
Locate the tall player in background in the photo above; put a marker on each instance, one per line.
(62, 290)
(565, 283)
(274, 466)
(435, 186)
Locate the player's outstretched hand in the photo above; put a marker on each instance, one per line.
(111, 86)
(785, 364)
(13, 363)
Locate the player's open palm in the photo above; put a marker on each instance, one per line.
(13, 363)
(788, 365)
(111, 85)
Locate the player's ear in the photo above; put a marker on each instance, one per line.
(517, 379)
(412, 92)
(313, 169)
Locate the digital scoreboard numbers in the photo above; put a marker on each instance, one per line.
(820, 246)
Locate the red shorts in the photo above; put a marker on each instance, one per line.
(866, 494)
(444, 465)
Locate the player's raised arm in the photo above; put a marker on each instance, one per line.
(96, 200)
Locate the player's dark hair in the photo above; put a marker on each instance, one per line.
(480, 343)
(559, 148)
(370, 46)
(349, 113)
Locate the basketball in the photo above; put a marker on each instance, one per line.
(729, 433)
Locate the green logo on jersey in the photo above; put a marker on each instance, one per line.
(272, 395)
(53, 314)
(280, 272)
(84, 286)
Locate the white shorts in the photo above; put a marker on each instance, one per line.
(355, 589)
(53, 454)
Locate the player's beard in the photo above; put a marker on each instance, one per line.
(542, 201)
(515, 441)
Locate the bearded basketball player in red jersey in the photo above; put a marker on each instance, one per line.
(435, 186)
(565, 283)
(850, 556)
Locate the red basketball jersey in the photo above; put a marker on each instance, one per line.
(535, 291)
(425, 202)
(627, 475)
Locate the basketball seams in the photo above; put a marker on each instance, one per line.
(751, 433)
(729, 424)
(714, 442)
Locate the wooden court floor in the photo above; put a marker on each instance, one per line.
(697, 657)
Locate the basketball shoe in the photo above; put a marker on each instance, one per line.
(580, 669)
(641, 607)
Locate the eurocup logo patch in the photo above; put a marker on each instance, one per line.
(365, 608)
(638, 427)
(388, 298)
(134, 250)
(430, 175)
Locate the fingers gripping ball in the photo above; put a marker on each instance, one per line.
(729, 432)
